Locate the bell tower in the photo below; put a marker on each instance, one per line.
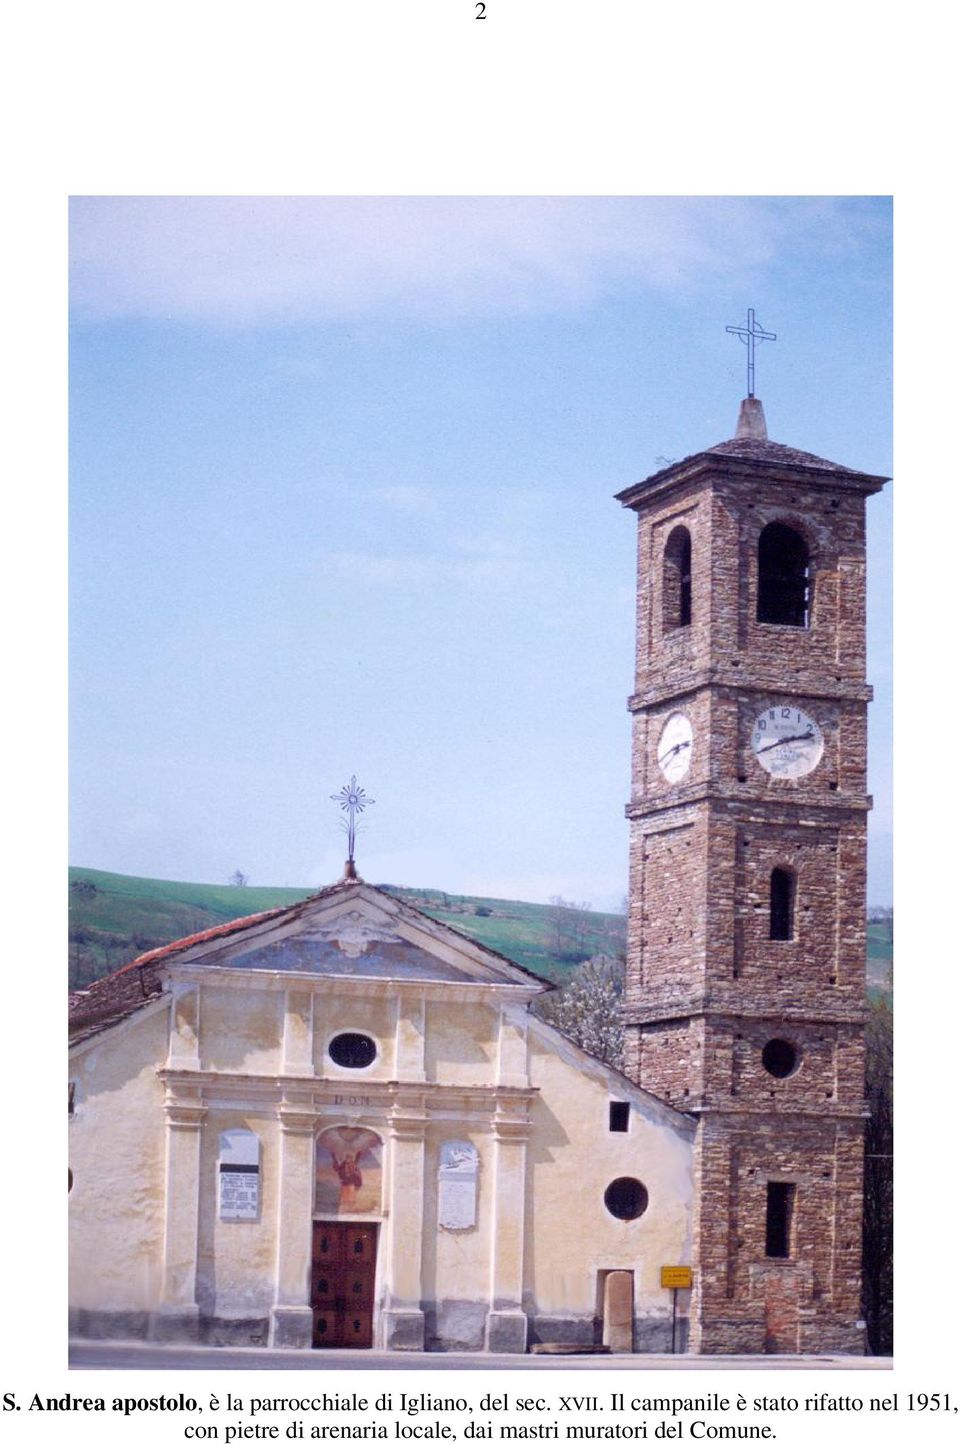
(745, 987)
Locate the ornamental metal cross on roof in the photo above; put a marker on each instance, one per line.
(750, 334)
(352, 799)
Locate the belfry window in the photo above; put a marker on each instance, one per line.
(783, 577)
(781, 904)
(677, 592)
(780, 1204)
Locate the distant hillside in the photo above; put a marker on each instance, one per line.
(113, 918)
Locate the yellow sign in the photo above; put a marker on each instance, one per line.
(677, 1277)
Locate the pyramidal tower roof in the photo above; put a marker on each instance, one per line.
(750, 450)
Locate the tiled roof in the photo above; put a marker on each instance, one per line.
(751, 450)
(118, 995)
(222, 930)
(111, 999)
(747, 448)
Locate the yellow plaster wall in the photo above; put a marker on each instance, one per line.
(241, 1029)
(116, 1152)
(117, 1155)
(573, 1157)
(461, 1043)
(236, 1262)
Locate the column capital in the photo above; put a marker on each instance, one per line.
(184, 1106)
(296, 1111)
(407, 1127)
(510, 1130)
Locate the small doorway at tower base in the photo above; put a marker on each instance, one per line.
(616, 1311)
(343, 1271)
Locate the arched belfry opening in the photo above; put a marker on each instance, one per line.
(783, 576)
(677, 593)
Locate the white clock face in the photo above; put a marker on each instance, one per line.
(675, 747)
(786, 741)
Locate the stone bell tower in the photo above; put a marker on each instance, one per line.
(745, 989)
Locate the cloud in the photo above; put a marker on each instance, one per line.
(238, 261)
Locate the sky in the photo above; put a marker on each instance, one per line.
(342, 477)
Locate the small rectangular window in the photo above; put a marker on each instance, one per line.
(619, 1117)
(780, 1204)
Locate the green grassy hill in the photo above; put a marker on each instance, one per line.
(113, 918)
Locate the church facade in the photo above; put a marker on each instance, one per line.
(339, 1124)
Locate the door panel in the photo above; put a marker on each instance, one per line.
(341, 1284)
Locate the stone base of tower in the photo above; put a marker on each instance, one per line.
(769, 1286)
(809, 1333)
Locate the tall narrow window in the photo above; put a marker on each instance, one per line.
(781, 905)
(619, 1117)
(780, 1202)
(783, 568)
(677, 593)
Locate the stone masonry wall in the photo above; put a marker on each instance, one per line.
(707, 987)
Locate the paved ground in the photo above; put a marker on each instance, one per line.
(86, 1354)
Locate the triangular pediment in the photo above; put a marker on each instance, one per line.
(357, 931)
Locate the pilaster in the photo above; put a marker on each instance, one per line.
(506, 1329)
(184, 1047)
(512, 1067)
(178, 1316)
(402, 1317)
(298, 1032)
(291, 1318)
(410, 1037)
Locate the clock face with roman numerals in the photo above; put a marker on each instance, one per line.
(786, 741)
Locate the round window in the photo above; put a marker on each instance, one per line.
(779, 1058)
(626, 1198)
(352, 1050)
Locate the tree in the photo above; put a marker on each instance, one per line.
(878, 1179)
(587, 1009)
(570, 923)
(238, 879)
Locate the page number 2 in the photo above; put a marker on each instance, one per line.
(481, 10)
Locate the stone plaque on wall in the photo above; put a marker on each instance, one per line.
(458, 1185)
(239, 1175)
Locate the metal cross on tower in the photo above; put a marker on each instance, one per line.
(750, 334)
(352, 799)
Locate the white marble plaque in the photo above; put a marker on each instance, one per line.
(458, 1185)
(239, 1195)
(239, 1174)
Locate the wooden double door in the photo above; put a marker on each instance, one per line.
(342, 1283)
